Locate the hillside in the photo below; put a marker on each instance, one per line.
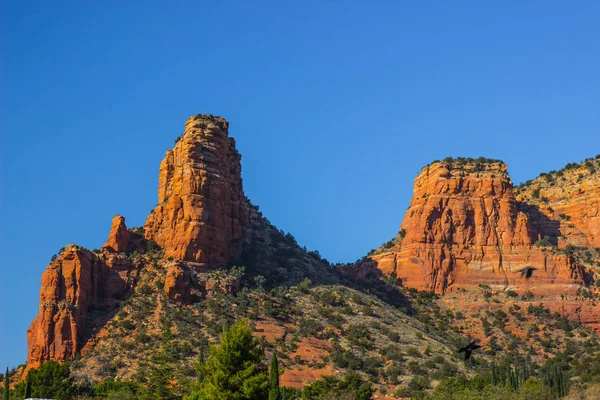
(146, 305)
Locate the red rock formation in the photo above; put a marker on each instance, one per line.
(185, 285)
(202, 209)
(74, 284)
(118, 238)
(463, 228)
(568, 204)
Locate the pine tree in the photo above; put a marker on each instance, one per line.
(28, 387)
(274, 379)
(234, 368)
(6, 384)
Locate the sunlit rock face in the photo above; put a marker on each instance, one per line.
(201, 211)
(464, 228)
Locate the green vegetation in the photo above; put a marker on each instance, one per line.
(6, 384)
(382, 336)
(274, 393)
(459, 161)
(50, 380)
(551, 178)
(544, 242)
(351, 387)
(234, 369)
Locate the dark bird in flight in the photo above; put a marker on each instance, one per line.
(468, 349)
(526, 272)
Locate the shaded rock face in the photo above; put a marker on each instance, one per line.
(79, 291)
(202, 209)
(464, 228)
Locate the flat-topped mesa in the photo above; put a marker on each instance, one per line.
(463, 228)
(202, 211)
(465, 204)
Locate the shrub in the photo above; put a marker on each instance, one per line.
(544, 242)
(413, 352)
(392, 352)
(346, 359)
(367, 310)
(310, 327)
(304, 286)
(331, 298)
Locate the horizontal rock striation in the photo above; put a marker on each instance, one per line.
(464, 228)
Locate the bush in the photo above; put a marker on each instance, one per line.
(359, 334)
(392, 352)
(331, 298)
(413, 352)
(351, 387)
(346, 359)
(310, 327)
(304, 286)
(544, 242)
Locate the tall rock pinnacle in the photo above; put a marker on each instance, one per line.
(202, 210)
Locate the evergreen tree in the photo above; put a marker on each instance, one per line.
(28, 386)
(274, 379)
(161, 371)
(234, 369)
(51, 380)
(6, 384)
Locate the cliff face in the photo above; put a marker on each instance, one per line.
(79, 288)
(202, 211)
(464, 228)
(202, 220)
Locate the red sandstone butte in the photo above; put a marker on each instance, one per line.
(202, 210)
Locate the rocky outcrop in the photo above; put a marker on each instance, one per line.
(202, 209)
(118, 238)
(79, 290)
(464, 228)
(185, 285)
(566, 203)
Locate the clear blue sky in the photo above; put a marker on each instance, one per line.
(335, 106)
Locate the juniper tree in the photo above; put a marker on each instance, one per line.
(28, 386)
(274, 379)
(6, 385)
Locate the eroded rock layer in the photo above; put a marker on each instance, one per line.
(464, 228)
(79, 290)
(202, 209)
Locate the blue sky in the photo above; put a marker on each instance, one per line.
(335, 106)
